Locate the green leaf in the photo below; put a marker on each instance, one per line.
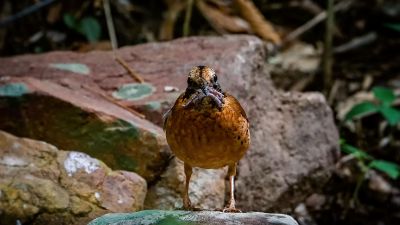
(91, 28)
(361, 109)
(391, 114)
(393, 26)
(70, 21)
(88, 26)
(349, 149)
(391, 169)
(385, 95)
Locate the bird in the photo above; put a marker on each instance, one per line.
(207, 128)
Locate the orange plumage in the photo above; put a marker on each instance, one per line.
(207, 128)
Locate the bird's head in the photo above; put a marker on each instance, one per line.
(202, 82)
(203, 77)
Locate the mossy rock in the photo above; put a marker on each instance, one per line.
(178, 217)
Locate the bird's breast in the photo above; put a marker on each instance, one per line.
(208, 137)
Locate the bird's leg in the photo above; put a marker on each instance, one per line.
(231, 205)
(186, 199)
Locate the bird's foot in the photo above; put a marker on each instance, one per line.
(187, 205)
(231, 210)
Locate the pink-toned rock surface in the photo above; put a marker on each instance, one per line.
(73, 117)
(84, 79)
(294, 139)
(39, 184)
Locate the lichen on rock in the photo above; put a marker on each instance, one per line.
(157, 217)
(78, 160)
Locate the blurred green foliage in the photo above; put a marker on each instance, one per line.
(367, 161)
(87, 26)
(385, 97)
(393, 26)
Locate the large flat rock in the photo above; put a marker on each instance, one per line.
(41, 184)
(78, 116)
(153, 217)
(293, 136)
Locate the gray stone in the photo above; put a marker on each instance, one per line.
(158, 217)
(39, 183)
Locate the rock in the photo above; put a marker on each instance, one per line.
(153, 217)
(294, 139)
(294, 147)
(303, 216)
(316, 201)
(207, 188)
(103, 81)
(72, 114)
(39, 184)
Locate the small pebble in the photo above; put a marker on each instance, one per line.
(170, 89)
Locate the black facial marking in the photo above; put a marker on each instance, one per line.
(190, 82)
(217, 87)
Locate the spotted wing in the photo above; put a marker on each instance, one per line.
(236, 105)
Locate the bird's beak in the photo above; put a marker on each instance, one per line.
(215, 95)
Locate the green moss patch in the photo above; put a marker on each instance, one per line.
(134, 91)
(150, 217)
(72, 67)
(153, 105)
(13, 90)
